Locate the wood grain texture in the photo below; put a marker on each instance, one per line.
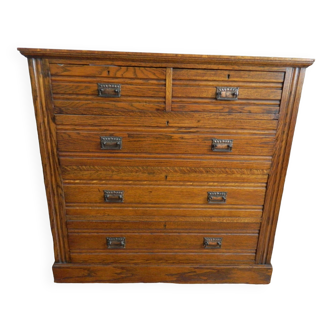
(159, 143)
(252, 122)
(147, 193)
(227, 75)
(167, 116)
(77, 169)
(173, 224)
(196, 274)
(279, 165)
(108, 71)
(169, 82)
(165, 57)
(152, 242)
(209, 93)
(47, 139)
(177, 258)
(159, 210)
(70, 90)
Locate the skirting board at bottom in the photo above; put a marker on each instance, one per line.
(182, 274)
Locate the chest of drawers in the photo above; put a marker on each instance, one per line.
(163, 167)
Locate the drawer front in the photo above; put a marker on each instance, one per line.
(142, 193)
(222, 90)
(213, 144)
(208, 242)
(179, 170)
(82, 87)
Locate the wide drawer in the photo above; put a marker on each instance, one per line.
(165, 169)
(214, 143)
(128, 194)
(204, 242)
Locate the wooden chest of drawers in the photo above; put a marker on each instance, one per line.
(163, 167)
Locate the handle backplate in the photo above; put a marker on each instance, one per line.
(112, 196)
(109, 90)
(222, 145)
(227, 93)
(216, 197)
(110, 143)
(212, 242)
(116, 242)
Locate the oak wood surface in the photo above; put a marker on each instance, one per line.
(156, 142)
(250, 274)
(78, 169)
(46, 133)
(167, 57)
(167, 116)
(253, 122)
(156, 241)
(176, 258)
(177, 224)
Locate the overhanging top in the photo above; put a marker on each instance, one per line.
(165, 57)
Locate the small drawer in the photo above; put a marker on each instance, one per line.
(110, 242)
(95, 89)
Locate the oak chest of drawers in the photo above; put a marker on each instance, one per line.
(163, 167)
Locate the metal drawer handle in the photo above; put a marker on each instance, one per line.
(226, 93)
(222, 145)
(216, 197)
(109, 90)
(212, 242)
(111, 196)
(110, 143)
(115, 242)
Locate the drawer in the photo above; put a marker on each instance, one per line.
(112, 87)
(222, 90)
(129, 194)
(172, 142)
(126, 241)
(164, 169)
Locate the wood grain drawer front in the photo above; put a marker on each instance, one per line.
(83, 87)
(161, 143)
(196, 90)
(147, 169)
(158, 242)
(135, 193)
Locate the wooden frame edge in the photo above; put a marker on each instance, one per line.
(82, 273)
(51, 168)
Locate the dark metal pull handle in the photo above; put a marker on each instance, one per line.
(109, 90)
(111, 196)
(110, 143)
(222, 145)
(226, 93)
(116, 242)
(212, 242)
(216, 197)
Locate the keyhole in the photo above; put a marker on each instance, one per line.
(108, 72)
(167, 123)
(166, 177)
(228, 76)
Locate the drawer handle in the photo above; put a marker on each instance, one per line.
(115, 242)
(226, 93)
(110, 143)
(212, 242)
(216, 197)
(222, 145)
(109, 90)
(111, 196)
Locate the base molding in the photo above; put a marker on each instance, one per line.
(87, 273)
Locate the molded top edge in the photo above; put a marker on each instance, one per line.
(164, 57)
